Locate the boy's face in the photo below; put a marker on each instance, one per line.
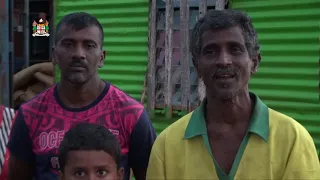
(90, 165)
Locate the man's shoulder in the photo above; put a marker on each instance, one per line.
(175, 132)
(283, 127)
(123, 99)
(130, 111)
(40, 100)
(293, 144)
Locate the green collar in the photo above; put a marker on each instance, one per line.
(259, 123)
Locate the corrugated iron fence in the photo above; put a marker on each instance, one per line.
(288, 76)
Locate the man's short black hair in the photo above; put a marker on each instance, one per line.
(78, 21)
(86, 136)
(223, 19)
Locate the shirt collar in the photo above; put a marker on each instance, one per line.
(259, 123)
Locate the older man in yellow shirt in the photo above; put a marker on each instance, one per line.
(232, 134)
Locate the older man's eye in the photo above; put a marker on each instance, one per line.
(209, 51)
(236, 50)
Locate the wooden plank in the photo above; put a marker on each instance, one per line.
(168, 58)
(184, 52)
(201, 86)
(143, 95)
(220, 4)
(151, 74)
(202, 8)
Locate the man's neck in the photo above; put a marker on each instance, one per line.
(77, 96)
(233, 111)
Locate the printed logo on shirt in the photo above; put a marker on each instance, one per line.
(50, 140)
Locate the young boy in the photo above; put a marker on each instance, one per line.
(90, 151)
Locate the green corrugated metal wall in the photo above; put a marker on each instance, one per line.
(288, 78)
(125, 24)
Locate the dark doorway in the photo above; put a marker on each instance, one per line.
(39, 50)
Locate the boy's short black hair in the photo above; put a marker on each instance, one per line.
(86, 136)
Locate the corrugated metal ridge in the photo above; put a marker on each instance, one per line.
(125, 26)
(288, 77)
(103, 3)
(250, 5)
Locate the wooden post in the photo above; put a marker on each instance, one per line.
(188, 57)
(184, 52)
(168, 58)
(151, 74)
(145, 86)
(202, 8)
(220, 4)
(201, 86)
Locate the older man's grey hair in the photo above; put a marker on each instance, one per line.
(223, 19)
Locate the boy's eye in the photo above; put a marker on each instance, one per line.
(102, 172)
(80, 173)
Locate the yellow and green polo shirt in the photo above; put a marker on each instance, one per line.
(275, 147)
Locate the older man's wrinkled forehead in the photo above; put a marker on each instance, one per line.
(70, 31)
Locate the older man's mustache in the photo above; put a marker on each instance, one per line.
(229, 71)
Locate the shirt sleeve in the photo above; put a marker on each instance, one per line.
(20, 144)
(156, 170)
(142, 139)
(303, 164)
